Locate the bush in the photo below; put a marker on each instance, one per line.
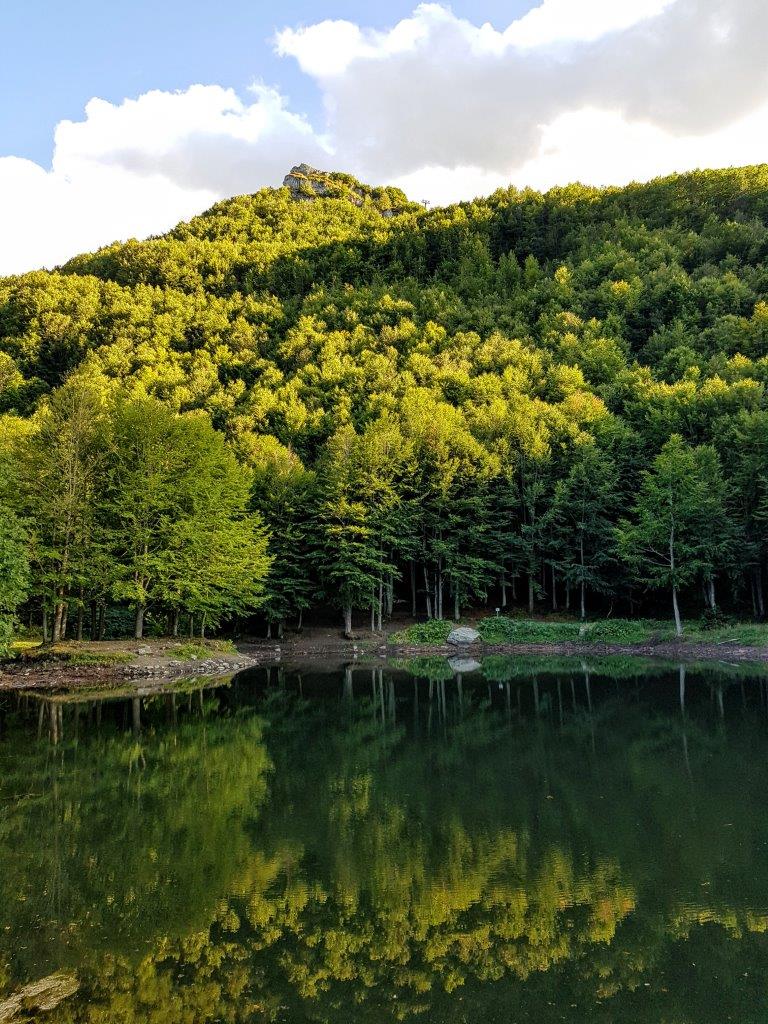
(617, 631)
(712, 618)
(502, 630)
(433, 632)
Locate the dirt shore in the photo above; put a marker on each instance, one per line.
(95, 665)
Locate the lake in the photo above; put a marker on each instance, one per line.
(521, 841)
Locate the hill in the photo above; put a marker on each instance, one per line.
(435, 404)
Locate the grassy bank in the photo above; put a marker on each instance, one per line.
(118, 652)
(500, 630)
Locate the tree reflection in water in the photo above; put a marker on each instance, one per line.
(532, 841)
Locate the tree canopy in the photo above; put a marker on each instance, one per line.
(452, 401)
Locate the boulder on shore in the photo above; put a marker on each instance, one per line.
(463, 635)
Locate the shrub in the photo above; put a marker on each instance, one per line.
(502, 630)
(435, 631)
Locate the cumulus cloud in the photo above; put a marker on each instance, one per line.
(441, 91)
(138, 167)
(597, 90)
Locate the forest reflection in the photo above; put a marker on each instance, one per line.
(450, 842)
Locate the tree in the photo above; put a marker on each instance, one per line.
(60, 478)
(677, 519)
(360, 517)
(14, 573)
(582, 523)
(283, 492)
(177, 505)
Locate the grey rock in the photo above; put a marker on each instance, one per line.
(463, 635)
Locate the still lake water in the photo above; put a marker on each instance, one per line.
(531, 842)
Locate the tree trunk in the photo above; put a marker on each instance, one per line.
(456, 606)
(175, 622)
(80, 619)
(202, 625)
(676, 610)
(428, 593)
(503, 588)
(554, 590)
(530, 593)
(102, 621)
(380, 610)
(301, 618)
(280, 629)
(64, 620)
(348, 622)
(58, 616)
(191, 626)
(413, 588)
(583, 588)
(45, 625)
(138, 627)
(94, 621)
(759, 592)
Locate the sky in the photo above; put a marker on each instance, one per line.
(119, 120)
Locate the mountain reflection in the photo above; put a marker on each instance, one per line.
(528, 841)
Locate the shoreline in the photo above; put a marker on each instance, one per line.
(155, 663)
(666, 651)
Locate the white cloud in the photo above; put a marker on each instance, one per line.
(460, 95)
(48, 217)
(598, 90)
(559, 21)
(139, 167)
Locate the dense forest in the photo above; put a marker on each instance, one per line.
(325, 395)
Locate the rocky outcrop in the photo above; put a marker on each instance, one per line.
(307, 184)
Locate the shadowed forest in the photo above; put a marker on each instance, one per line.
(303, 401)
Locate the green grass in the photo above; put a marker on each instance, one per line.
(503, 630)
(434, 632)
(203, 651)
(96, 658)
(74, 655)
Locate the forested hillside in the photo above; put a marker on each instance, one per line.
(536, 400)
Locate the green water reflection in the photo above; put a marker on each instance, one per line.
(528, 842)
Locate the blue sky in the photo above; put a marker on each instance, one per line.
(55, 55)
(120, 120)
